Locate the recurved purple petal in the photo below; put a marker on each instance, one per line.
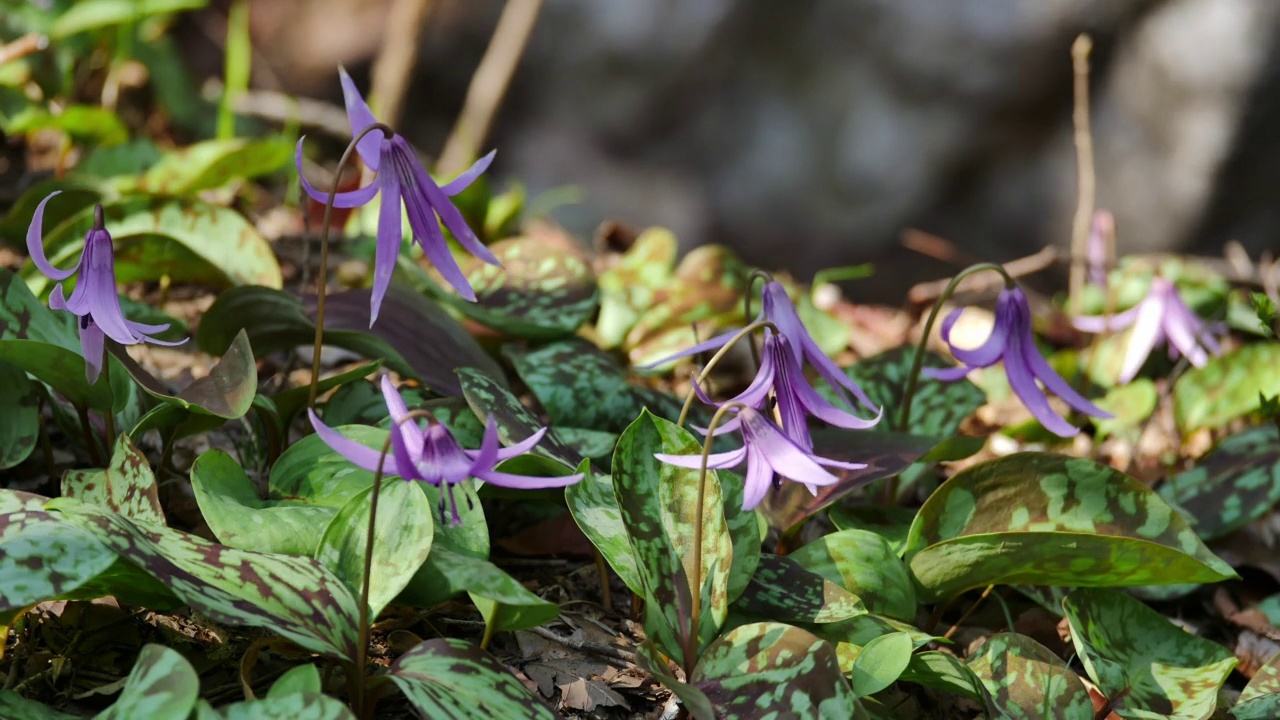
(950, 374)
(992, 348)
(360, 117)
(410, 433)
(35, 245)
(718, 461)
(452, 217)
(1101, 323)
(785, 457)
(357, 454)
(1054, 383)
(525, 482)
(350, 199)
(818, 407)
(468, 176)
(1024, 386)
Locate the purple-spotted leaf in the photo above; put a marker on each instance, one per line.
(42, 557)
(1235, 484)
(1143, 664)
(20, 421)
(659, 506)
(783, 589)
(15, 500)
(127, 486)
(1260, 699)
(867, 566)
(297, 598)
(1027, 681)
(161, 686)
(15, 707)
(446, 677)
(515, 423)
(402, 540)
(295, 706)
(1045, 519)
(229, 503)
(544, 288)
(1227, 387)
(769, 669)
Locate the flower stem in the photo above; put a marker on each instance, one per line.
(323, 279)
(89, 442)
(756, 274)
(706, 369)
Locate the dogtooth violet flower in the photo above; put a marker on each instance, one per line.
(401, 178)
(769, 454)
(94, 300)
(1161, 317)
(777, 309)
(432, 455)
(1012, 341)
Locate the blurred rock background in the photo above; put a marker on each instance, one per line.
(810, 133)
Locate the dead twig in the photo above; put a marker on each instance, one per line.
(1087, 182)
(608, 651)
(394, 64)
(926, 293)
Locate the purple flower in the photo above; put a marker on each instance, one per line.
(94, 299)
(768, 453)
(401, 177)
(777, 309)
(434, 456)
(781, 378)
(1160, 317)
(1012, 341)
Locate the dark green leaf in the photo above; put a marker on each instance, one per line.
(63, 370)
(1027, 681)
(1235, 484)
(1226, 387)
(867, 566)
(16, 707)
(42, 557)
(161, 686)
(783, 589)
(20, 421)
(292, 401)
(515, 423)
(880, 663)
(888, 521)
(452, 678)
(945, 672)
(298, 679)
(938, 407)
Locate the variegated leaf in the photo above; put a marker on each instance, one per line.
(452, 678)
(127, 486)
(1260, 699)
(161, 686)
(1027, 681)
(296, 706)
(515, 422)
(784, 590)
(1236, 483)
(43, 557)
(866, 565)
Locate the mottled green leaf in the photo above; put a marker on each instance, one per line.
(595, 508)
(938, 407)
(629, 287)
(1044, 519)
(42, 557)
(888, 521)
(1131, 404)
(745, 532)
(402, 540)
(1146, 666)
(594, 444)
(211, 164)
(660, 508)
(1027, 681)
(1226, 387)
(452, 678)
(15, 500)
(161, 686)
(515, 423)
(127, 486)
(880, 663)
(941, 671)
(544, 288)
(63, 370)
(783, 589)
(20, 421)
(1235, 484)
(295, 706)
(1260, 699)
(297, 679)
(504, 602)
(15, 707)
(773, 670)
(295, 597)
(184, 240)
(23, 316)
(867, 566)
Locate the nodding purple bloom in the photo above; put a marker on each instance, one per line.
(777, 309)
(1012, 341)
(1161, 317)
(94, 300)
(781, 378)
(434, 456)
(769, 454)
(401, 177)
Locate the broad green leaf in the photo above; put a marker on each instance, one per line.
(311, 472)
(93, 14)
(1260, 699)
(773, 670)
(211, 164)
(941, 671)
(1235, 484)
(888, 521)
(851, 635)
(1131, 405)
(594, 444)
(82, 123)
(402, 541)
(298, 679)
(184, 240)
(783, 589)
(1227, 387)
(127, 486)
(23, 316)
(296, 706)
(544, 288)
(15, 707)
(226, 392)
(64, 371)
(515, 423)
(161, 686)
(595, 509)
(629, 287)
(42, 557)
(1146, 666)
(452, 678)
(295, 597)
(20, 421)
(745, 532)
(660, 509)
(1027, 681)
(502, 600)
(294, 400)
(867, 566)
(130, 159)
(880, 663)
(1044, 519)
(937, 408)
(238, 518)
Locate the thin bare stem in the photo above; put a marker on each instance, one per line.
(394, 64)
(756, 274)
(323, 280)
(489, 84)
(706, 369)
(89, 440)
(1086, 179)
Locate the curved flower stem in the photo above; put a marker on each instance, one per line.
(109, 417)
(913, 378)
(90, 443)
(756, 274)
(323, 279)
(362, 639)
(695, 587)
(706, 369)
